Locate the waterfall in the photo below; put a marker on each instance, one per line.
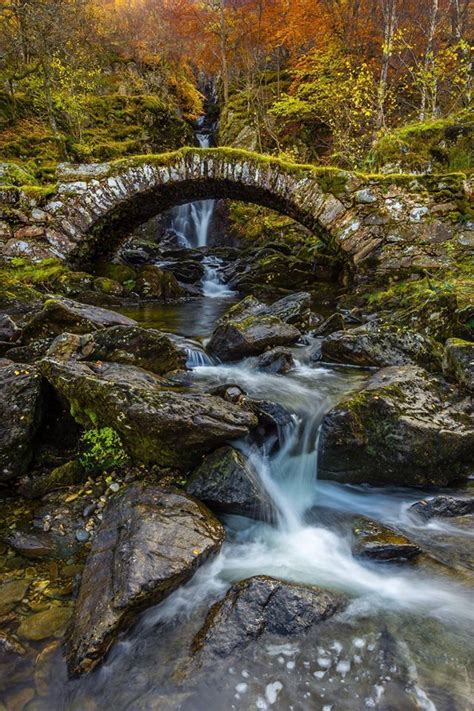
(191, 221)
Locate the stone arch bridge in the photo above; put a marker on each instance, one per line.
(378, 224)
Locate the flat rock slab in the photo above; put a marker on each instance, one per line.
(262, 605)
(150, 542)
(60, 314)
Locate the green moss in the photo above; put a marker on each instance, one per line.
(443, 144)
(101, 450)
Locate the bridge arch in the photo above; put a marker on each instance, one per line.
(102, 204)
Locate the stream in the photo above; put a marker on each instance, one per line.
(405, 640)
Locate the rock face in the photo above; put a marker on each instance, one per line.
(376, 345)
(294, 309)
(60, 314)
(458, 362)
(131, 345)
(155, 424)
(259, 605)
(405, 428)
(20, 412)
(150, 542)
(373, 541)
(228, 482)
(276, 361)
(442, 507)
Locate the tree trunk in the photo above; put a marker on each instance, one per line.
(428, 62)
(389, 9)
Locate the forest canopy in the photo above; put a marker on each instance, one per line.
(318, 79)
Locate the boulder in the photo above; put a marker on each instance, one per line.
(9, 331)
(145, 348)
(227, 481)
(374, 541)
(442, 507)
(380, 346)
(150, 542)
(276, 361)
(60, 314)
(294, 309)
(458, 362)
(262, 605)
(154, 283)
(20, 414)
(406, 428)
(335, 322)
(235, 339)
(155, 424)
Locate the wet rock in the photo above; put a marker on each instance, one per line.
(20, 414)
(458, 362)
(32, 544)
(154, 283)
(294, 309)
(228, 482)
(155, 424)
(30, 353)
(11, 593)
(442, 507)
(262, 605)
(60, 314)
(15, 664)
(45, 624)
(406, 428)
(333, 323)
(272, 417)
(230, 392)
(276, 361)
(376, 345)
(150, 542)
(9, 331)
(251, 335)
(373, 541)
(143, 347)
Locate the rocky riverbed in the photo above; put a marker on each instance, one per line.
(211, 501)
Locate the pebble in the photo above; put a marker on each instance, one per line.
(114, 487)
(82, 535)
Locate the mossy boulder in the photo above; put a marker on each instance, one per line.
(60, 314)
(156, 424)
(155, 283)
(21, 404)
(227, 481)
(458, 362)
(250, 327)
(150, 542)
(406, 428)
(250, 336)
(146, 348)
(381, 345)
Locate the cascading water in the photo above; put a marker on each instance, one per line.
(191, 222)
